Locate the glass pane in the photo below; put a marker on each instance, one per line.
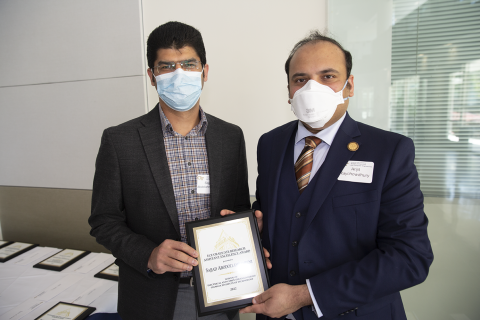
(435, 92)
(434, 97)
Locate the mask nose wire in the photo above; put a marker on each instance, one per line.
(344, 86)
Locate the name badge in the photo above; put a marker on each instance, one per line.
(357, 171)
(203, 184)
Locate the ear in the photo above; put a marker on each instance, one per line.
(205, 72)
(351, 86)
(152, 77)
(288, 88)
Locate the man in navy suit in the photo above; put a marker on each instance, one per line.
(339, 202)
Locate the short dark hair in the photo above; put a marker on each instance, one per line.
(314, 37)
(174, 35)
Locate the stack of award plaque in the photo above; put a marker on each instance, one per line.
(10, 250)
(66, 311)
(109, 273)
(61, 260)
(231, 264)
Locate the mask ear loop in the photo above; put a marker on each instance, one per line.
(154, 80)
(345, 99)
(153, 75)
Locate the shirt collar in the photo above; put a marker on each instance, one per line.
(327, 135)
(198, 130)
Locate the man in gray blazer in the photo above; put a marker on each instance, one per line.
(154, 173)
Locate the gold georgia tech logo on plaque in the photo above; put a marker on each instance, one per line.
(225, 242)
(64, 313)
(353, 146)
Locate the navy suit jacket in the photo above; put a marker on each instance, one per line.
(361, 242)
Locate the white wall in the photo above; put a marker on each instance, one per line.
(247, 43)
(69, 69)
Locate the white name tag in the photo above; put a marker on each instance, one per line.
(203, 184)
(357, 171)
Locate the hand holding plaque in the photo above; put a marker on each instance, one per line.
(231, 266)
(172, 256)
(279, 300)
(259, 216)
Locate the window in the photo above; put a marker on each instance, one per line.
(435, 91)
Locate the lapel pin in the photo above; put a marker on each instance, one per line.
(353, 146)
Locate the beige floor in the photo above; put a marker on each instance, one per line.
(452, 289)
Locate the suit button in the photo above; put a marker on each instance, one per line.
(175, 277)
(298, 214)
(196, 219)
(294, 243)
(292, 273)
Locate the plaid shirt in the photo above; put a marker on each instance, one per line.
(187, 158)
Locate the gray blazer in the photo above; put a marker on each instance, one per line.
(134, 210)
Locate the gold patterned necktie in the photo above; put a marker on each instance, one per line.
(304, 163)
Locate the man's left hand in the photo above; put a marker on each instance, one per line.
(280, 300)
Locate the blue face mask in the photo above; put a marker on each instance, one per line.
(180, 89)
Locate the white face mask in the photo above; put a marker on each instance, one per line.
(315, 103)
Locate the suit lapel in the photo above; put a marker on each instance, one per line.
(214, 141)
(336, 159)
(278, 155)
(152, 139)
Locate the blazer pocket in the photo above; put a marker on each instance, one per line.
(380, 305)
(354, 199)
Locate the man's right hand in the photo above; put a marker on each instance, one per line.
(172, 256)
